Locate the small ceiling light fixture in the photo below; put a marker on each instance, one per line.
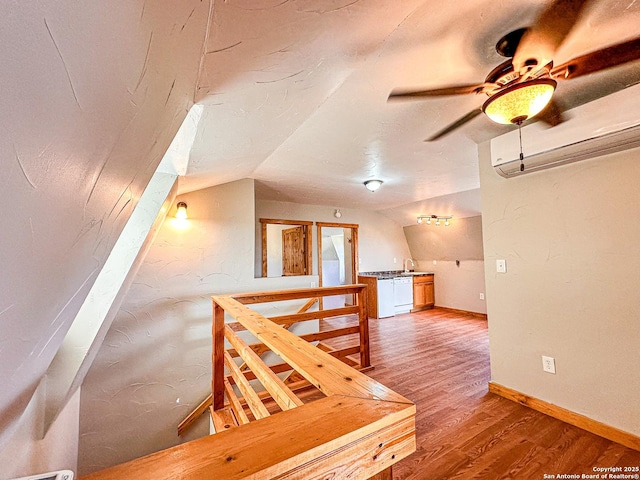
(373, 185)
(181, 213)
(337, 213)
(427, 219)
(517, 103)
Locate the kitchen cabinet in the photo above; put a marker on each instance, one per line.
(423, 292)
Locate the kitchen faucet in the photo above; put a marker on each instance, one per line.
(413, 265)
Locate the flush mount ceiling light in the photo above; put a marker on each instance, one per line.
(427, 219)
(373, 185)
(521, 101)
(181, 213)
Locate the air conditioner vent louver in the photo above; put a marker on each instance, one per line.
(608, 125)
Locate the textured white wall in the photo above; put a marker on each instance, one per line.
(93, 93)
(380, 239)
(154, 366)
(570, 239)
(79, 348)
(29, 453)
(456, 286)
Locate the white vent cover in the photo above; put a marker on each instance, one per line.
(58, 475)
(607, 125)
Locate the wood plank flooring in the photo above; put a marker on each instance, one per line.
(440, 360)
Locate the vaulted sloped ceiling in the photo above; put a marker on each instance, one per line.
(295, 94)
(92, 94)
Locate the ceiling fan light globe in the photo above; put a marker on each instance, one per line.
(519, 102)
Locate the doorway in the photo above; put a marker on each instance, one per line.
(337, 260)
(286, 247)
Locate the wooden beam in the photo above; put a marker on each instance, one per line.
(255, 404)
(195, 415)
(235, 404)
(310, 303)
(337, 225)
(303, 317)
(260, 348)
(280, 295)
(340, 436)
(265, 256)
(217, 357)
(363, 317)
(327, 373)
(284, 397)
(279, 221)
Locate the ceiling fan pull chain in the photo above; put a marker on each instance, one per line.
(521, 154)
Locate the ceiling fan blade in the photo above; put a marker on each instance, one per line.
(552, 114)
(400, 94)
(599, 60)
(540, 42)
(458, 123)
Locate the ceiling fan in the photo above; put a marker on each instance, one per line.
(522, 87)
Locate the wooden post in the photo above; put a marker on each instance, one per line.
(217, 358)
(365, 357)
(264, 250)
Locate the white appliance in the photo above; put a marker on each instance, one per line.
(59, 475)
(385, 298)
(606, 125)
(402, 294)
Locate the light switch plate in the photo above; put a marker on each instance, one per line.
(501, 266)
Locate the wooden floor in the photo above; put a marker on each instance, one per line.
(440, 360)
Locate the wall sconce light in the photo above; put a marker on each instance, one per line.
(428, 218)
(337, 213)
(373, 185)
(181, 213)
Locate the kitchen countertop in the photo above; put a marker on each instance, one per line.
(393, 273)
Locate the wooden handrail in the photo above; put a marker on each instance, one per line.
(301, 315)
(336, 437)
(328, 374)
(360, 429)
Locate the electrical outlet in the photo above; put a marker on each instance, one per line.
(548, 364)
(435, 262)
(501, 266)
(482, 296)
(313, 284)
(395, 260)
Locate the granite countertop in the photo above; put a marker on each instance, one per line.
(393, 273)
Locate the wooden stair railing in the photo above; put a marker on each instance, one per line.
(358, 430)
(288, 321)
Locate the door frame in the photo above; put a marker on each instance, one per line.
(354, 249)
(307, 241)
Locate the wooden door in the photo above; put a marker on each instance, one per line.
(293, 257)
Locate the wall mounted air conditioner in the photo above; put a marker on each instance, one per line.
(607, 125)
